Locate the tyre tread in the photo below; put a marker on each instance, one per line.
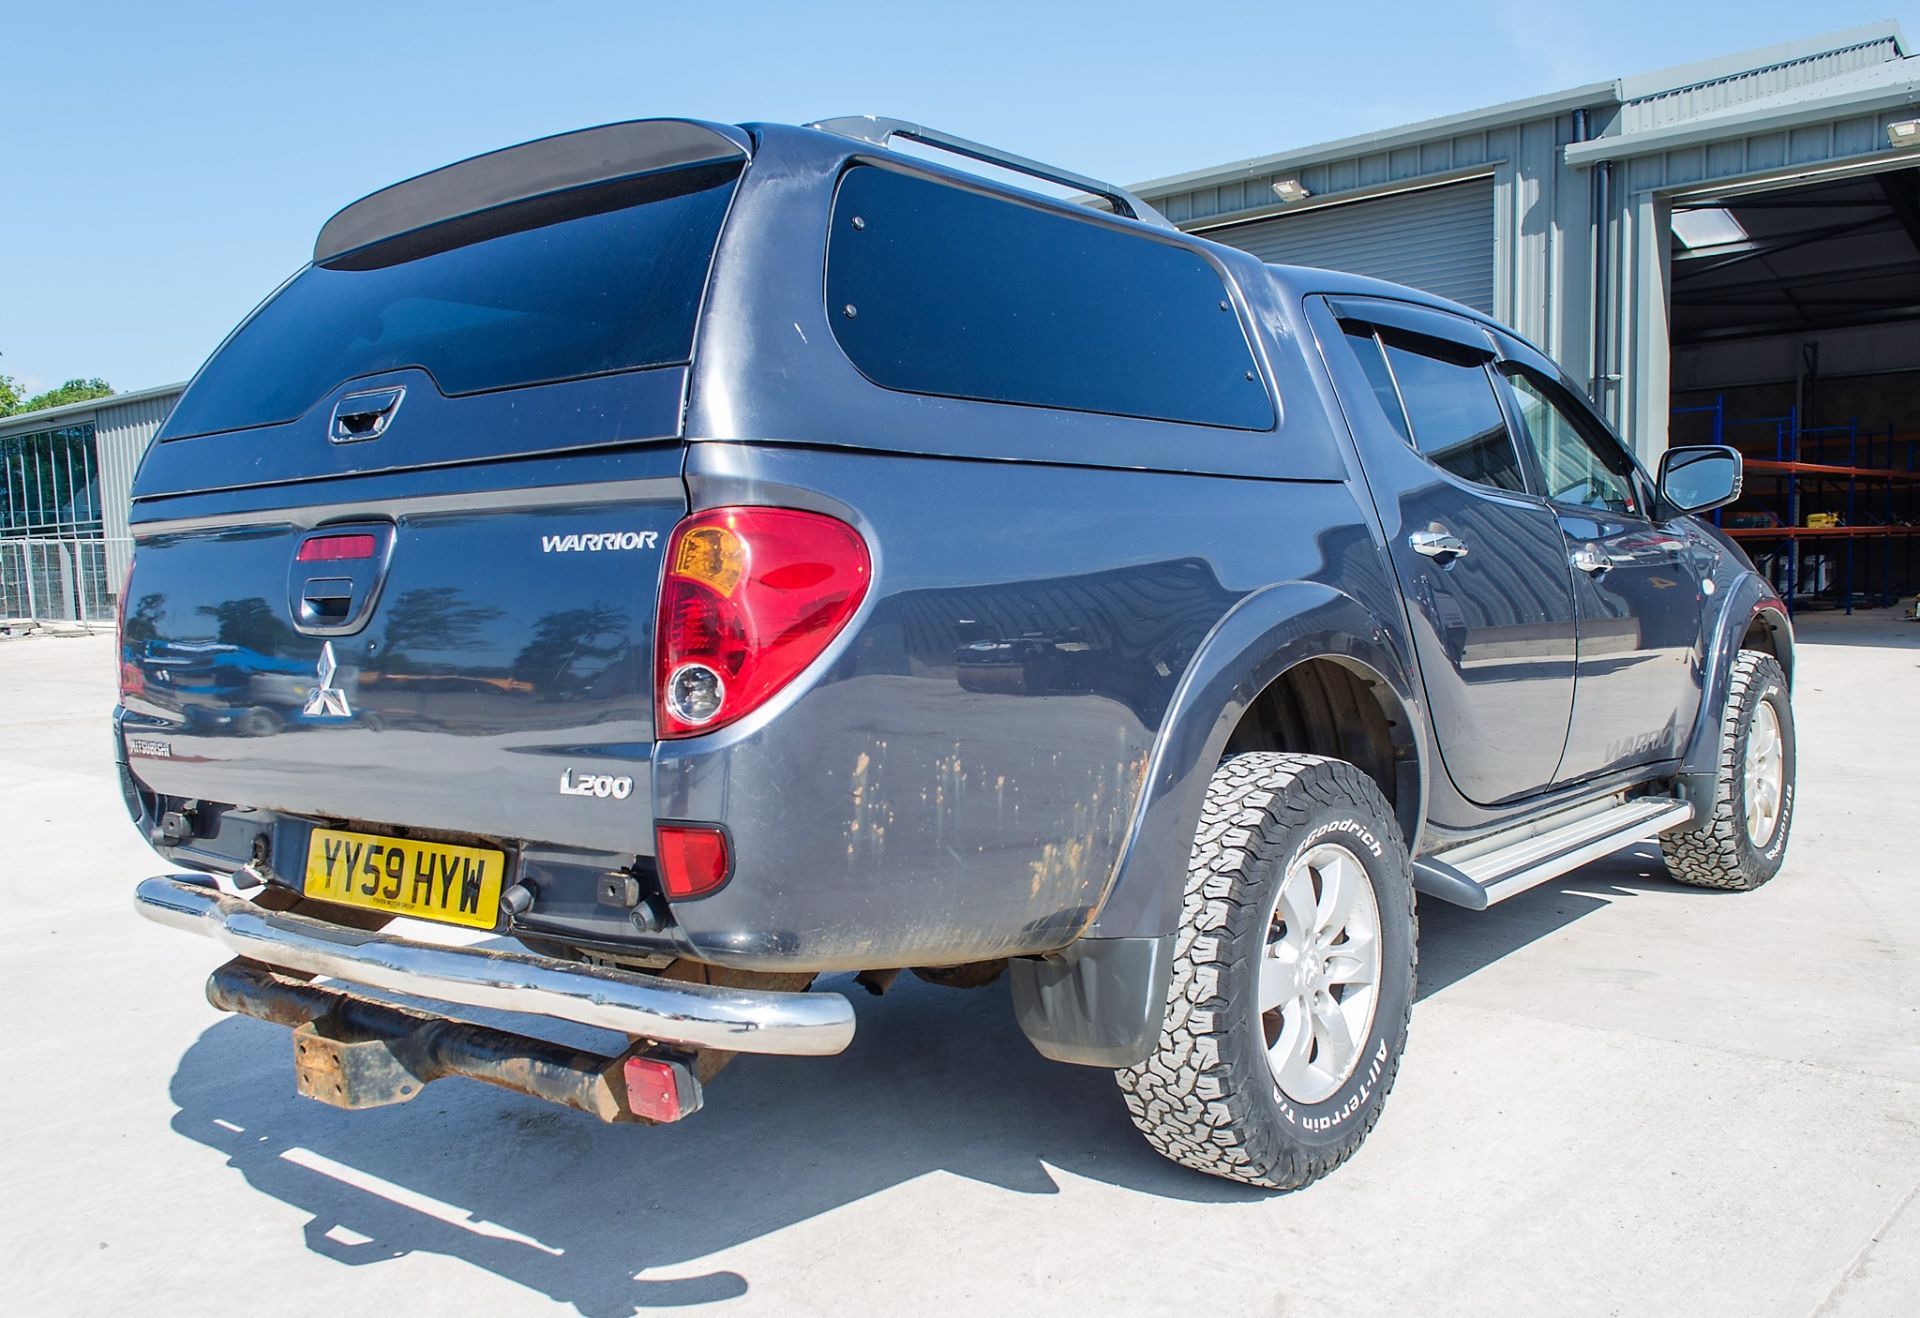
(1710, 854)
(1188, 1098)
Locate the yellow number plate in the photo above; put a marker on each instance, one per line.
(428, 880)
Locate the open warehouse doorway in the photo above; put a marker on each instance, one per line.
(1795, 324)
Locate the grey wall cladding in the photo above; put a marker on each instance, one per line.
(1438, 239)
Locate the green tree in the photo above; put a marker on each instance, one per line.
(73, 391)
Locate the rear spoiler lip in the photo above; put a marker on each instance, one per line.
(539, 168)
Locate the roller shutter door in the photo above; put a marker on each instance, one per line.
(1438, 239)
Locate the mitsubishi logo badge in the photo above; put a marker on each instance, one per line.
(327, 700)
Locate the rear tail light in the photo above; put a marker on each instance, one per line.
(693, 859)
(132, 680)
(752, 596)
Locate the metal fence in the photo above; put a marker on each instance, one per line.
(61, 578)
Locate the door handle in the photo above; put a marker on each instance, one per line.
(1591, 559)
(1441, 546)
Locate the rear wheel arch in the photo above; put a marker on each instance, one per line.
(1275, 647)
(1338, 707)
(1100, 1000)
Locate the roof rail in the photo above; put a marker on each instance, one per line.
(878, 132)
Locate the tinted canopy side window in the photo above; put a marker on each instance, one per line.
(1577, 465)
(1456, 417)
(936, 289)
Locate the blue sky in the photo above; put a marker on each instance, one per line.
(163, 166)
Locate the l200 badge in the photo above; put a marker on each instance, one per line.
(603, 785)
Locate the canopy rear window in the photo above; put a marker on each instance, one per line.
(599, 279)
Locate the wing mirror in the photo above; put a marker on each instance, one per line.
(1697, 477)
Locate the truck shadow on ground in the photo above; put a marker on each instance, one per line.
(608, 1219)
(936, 1080)
(1456, 943)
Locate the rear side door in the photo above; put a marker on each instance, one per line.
(1480, 559)
(1635, 587)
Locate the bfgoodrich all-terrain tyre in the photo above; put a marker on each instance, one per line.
(1293, 976)
(1741, 843)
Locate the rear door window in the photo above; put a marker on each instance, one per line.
(1456, 418)
(583, 283)
(934, 288)
(1373, 363)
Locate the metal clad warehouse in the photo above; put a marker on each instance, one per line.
(1436, 238)
(1723, 252)
(66, 482)
(1728, 251)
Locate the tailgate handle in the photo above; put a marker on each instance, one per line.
(329, 599)
(365, 415)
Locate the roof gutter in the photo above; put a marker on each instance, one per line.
(54, 416)
(1346, 197)
(1893, 96)
(1592, 94)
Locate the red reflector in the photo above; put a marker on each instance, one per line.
(336, 548)
(693, 859)
(653, 1089)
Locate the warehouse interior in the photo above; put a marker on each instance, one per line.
(1795, 323)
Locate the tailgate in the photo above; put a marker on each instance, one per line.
(506, 654)
(398, 548)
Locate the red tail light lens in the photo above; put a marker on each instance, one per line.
(336, 548)
(752, 596)
(133, 682)
(693, 859)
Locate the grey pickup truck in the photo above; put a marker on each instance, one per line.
(682, 561)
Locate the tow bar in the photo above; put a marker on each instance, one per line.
(354, 1052)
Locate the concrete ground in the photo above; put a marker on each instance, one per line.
(1621, 1097)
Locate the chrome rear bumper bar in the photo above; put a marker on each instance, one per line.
(668, 1011)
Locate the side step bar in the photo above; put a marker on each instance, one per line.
(1479, 881)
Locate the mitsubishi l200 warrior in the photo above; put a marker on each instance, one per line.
(707, 558)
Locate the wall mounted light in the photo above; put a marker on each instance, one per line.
(1291, 190)
(1903, 132)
